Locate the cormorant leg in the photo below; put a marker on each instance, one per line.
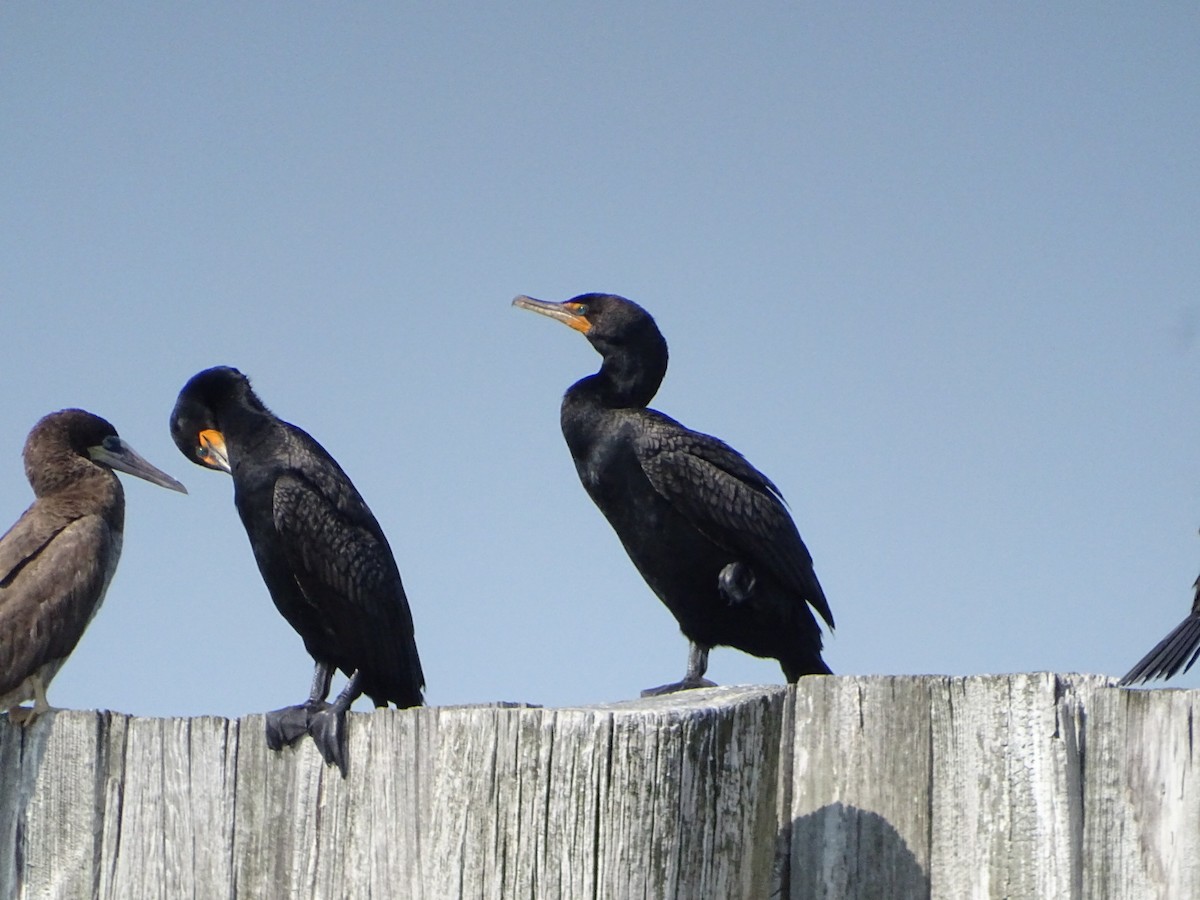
(288, 725)
(328, 726)
(322, 676)
(697, 666)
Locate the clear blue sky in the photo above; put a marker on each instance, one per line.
(934, 270)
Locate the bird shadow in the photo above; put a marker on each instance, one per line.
(844, 852)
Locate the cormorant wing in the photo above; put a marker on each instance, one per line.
(345, 569)
(730, 501)
(54, 573)
(1175, 653)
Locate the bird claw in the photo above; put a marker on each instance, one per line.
(25, 716)
(687, 684)
(328, 730)
(286, 726)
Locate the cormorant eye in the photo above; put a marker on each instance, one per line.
(112, 443)
(581, 308)
(202, 452)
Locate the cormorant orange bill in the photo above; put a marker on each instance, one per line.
(321, 553)
(571, 313)
(707, 530)
(211, 451)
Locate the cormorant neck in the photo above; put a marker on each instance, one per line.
(242, 413)
(626, 379)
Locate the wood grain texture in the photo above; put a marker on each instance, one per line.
(1005, 790)
(861, 793)
(1142, 834)
(882, 787)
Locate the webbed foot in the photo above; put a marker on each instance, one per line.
(286, 726)
(697, 666)
(687, 684)
(328, 730)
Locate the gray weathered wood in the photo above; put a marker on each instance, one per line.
(859, 817)
(1142, 834)
(885, 787)
(1005, 788)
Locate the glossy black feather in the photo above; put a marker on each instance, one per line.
(686, 505)
(1175, 653)
(323, 556)
(731, 502)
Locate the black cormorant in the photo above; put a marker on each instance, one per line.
(1173, 654)
(708, 531)
(56, 562)
(324, 558)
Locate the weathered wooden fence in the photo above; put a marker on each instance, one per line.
(1037, 786)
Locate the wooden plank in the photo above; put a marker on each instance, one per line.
(1007, 801)
(302, 830)
(992, 786)
(859, 813)
(691, 804)
(52, 807)
(1142, 795)
(169, 810)
(644, 799)
(476, 846)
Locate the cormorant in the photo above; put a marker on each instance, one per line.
(708, 531)
(56, 562)
(322, 555)
(1173, 654)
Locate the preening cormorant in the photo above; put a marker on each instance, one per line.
(1173, 654)
(56, 562)
(322, 555)
(708, 531)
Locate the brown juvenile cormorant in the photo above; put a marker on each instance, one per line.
(322, 555)
(708, 531)
(57, 560)
(1173, 654)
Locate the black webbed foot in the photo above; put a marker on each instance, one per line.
(328, 730)
(286, 726)
(687, 684)
(328, 725)
(697, 666)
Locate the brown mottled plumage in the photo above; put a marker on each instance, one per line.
(57, 560)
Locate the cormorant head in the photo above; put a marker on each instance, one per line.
(63, 446)
(606, 319)
(196, 425)
(621, 331)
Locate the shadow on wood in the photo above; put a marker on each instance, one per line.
(877, 863)
(1007, 786)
